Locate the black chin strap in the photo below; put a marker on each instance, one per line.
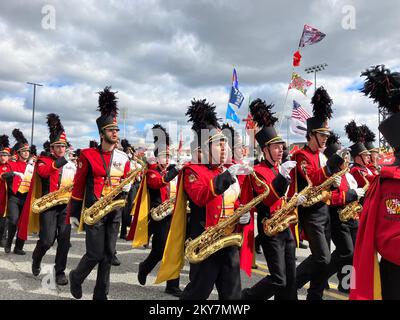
(316, 138)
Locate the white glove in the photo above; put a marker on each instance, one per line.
(286, 167)
(240, 169)
(127, 187)
(245, 218)
(337, 182)
(68, 155)
(19, 174)
(300, 200)
(74, 222)
(360, 192)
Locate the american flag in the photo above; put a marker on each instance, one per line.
(299, 112)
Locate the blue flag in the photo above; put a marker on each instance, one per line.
(231, 114)
(236, 97)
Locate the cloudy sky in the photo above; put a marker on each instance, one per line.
(159, 54)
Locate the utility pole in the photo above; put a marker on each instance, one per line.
(33, 106)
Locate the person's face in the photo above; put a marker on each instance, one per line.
(24, 154)
(374, 157)
(3, 158)
(363, 159)
(163, 160)
(59, 150)
(275, 151)
(321, 138)
(110, 135)
(218, 154)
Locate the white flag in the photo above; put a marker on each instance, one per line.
(298, 127)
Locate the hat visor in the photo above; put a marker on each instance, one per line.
(4, 153)
(276, 140)
(323, 131)
(111, 127)
(366, 152)
(59, 143)
(24, 149)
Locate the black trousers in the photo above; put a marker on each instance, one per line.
(126, 214)
(3, 228)
(316, 223)
(52, 227)
(159, 229)
(14, 210)
(280, 255)
(390, 280)
(101, 239)
(221, 269)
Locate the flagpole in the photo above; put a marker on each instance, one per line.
(287, 131)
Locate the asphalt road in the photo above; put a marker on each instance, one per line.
(18, 283)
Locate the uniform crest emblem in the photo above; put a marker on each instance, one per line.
(192, 178)
(393, 206)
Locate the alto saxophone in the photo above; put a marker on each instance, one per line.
(316, 194)
(286, 215)
(353, 209)
(107, 204)
(163, 210)
(220, 236)
(52, 199)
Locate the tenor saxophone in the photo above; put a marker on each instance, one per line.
(220, 236)
(163, 210)
(285, 216)
(316, 194)
(105, 205)
(52, 199)
(353, 209)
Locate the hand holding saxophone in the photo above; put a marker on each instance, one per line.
(240, 169)
(245, 218)
(286, 167)
(337, 181)
(300, 199)
(360, 193)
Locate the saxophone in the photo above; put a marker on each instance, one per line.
(353, 209)
(163, 210)
(220, 236)
(107, 204)
(286, 215)
(317, 193)
(52, 199)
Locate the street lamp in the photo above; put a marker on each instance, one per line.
(315, 69)
(33, 106)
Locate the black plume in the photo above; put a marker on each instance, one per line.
(108, 102)
(77, 153)
(93, 144)
(322, 104)
(354, 132)
(262, 114)
(125, 144)
(202, 114)
(46, 146)
(383, 87)
(55, 126)
(368, 134)
(33, 150)
(19, 136)
(332, 139)
(4, 141)
(227, 126)
(157, 134)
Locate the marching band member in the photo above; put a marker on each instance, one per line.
(279, 250)
(159, 187)
(379, 227)
(210, 188)
(315, 219)
(5, 153)
(373, 166)
(53, 171)
(20, 180)
(359, 153)
(343, 234)
(99, 170)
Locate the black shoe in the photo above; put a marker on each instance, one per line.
(7, 249)
(99, 297)
(303, 246)
(258, 250)
(115, 261)
(245, 294)
(327, 287)
(141, 275)
(61, 279)
(3, 243)
(122, 236)
(19, 252)
(176, 292)
(36, 268)
(74, 287)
